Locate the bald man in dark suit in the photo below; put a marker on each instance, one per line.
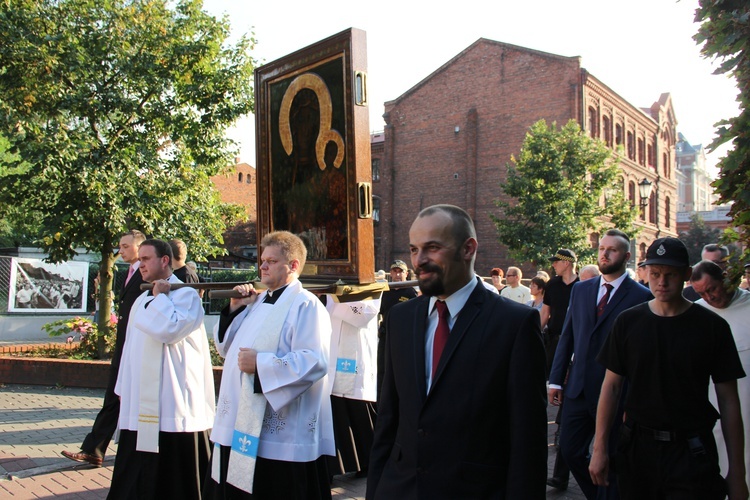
(462, 409)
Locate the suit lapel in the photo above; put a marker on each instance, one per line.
(135, 281)
(618, 297)
(591, 302)
(420, 332)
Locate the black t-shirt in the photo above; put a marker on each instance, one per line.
(668, 361)
(557, 297)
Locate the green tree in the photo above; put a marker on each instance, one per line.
(697, 236)
(724, 34)
(119, 108)
(15, 225)
(555, 190)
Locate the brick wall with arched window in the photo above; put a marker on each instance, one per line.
(652, 208)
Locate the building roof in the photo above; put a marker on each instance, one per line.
(468, 49)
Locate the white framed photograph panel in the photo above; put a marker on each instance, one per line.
(38, 286)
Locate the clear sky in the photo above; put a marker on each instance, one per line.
(639, 48)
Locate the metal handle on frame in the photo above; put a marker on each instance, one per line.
(364, 192)
(360, 88)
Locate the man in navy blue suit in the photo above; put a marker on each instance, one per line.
(594, 305)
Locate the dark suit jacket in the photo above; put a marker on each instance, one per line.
(481, 432)
(125, 301)
(584, 334)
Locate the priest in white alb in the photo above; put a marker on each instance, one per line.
(273, 419)
(166, 389)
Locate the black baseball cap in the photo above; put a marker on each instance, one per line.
(564, 254)
(667, 252)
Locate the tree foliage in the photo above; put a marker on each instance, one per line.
(724, 34)
(697, 236)
(119, 110)
(16, 226)
(555, 189)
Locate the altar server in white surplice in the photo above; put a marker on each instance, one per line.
(353, 369)
(166, 389)
(273, 418)
(721, 296)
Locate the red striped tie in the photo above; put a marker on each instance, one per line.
(603, 303)
(441, 334)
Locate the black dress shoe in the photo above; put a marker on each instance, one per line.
(557, 483)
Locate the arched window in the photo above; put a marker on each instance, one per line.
(618, 135)
(375, 209)
(631, 146)
(667, 211)
(249, 179)
(239, 177)
(642, 247)
(607, 129)
(593, 123)
(652, 208)
(641, 152)
(375, 169)
(631, 193)
(594, 240)
(650, 155)
(667, 166)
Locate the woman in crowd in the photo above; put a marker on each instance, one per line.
(497, 278)
(537, 292)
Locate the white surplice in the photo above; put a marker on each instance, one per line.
(354, 348)
(186, 386)
(298, 425)
(737, 314)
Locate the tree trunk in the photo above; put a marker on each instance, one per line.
(106, 279)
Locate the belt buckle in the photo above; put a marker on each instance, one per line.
(662, 435)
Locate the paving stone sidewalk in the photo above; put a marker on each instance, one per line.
(37, 423)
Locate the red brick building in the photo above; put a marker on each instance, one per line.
(239, 187)
(448, 140)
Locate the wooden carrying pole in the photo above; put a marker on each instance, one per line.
(344, 292)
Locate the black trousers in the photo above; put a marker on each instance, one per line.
(550, 346)
(273, 480)
(576, 434)
(648, 469)
(353, 423)
(105, 424)
(177, 471)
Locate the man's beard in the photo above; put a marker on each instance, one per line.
(613, 266)
(433, 287)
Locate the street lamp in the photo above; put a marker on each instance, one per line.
(644, 189)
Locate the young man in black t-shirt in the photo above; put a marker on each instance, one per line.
(557, 298)
(667, 349)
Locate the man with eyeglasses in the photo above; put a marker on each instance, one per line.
(515, 291)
